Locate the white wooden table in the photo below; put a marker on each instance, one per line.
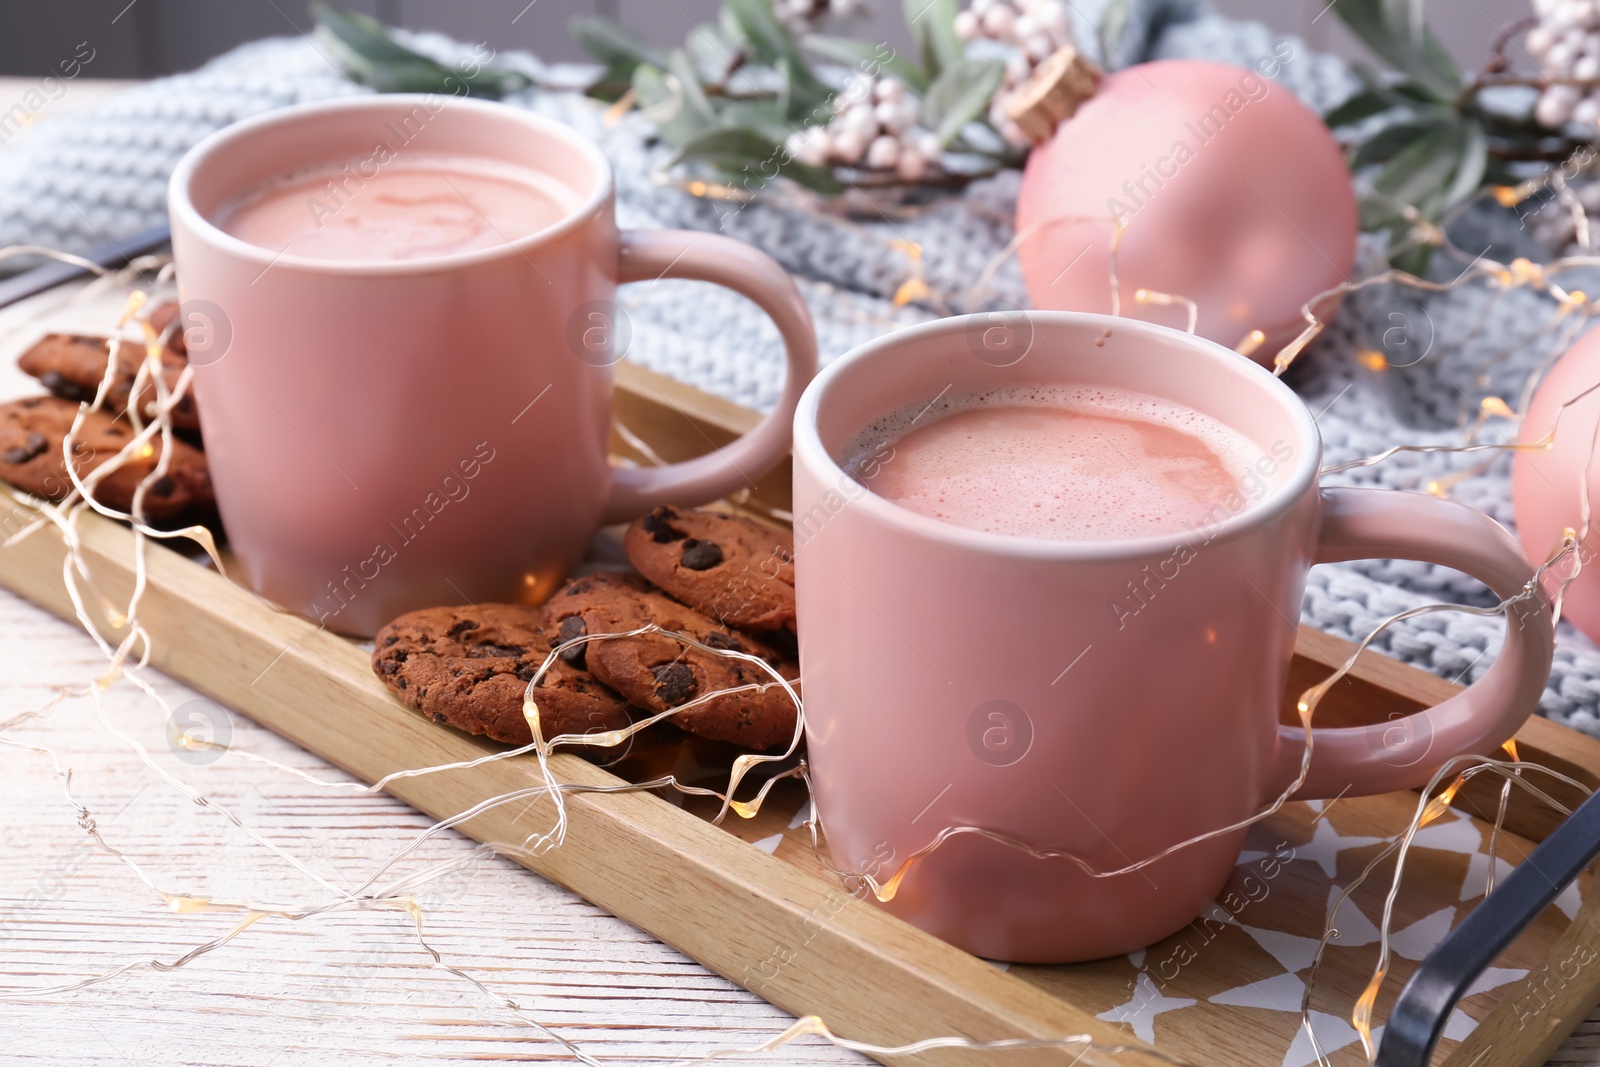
(348, 989)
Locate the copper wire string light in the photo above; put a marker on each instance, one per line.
(128, 658)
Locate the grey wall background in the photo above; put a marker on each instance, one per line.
(148, 37)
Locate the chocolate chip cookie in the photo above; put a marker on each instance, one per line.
(656, 672)
(32, 431)
(470, 666)
(73, 365)
(731, 568)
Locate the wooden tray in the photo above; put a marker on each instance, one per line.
(750, 900)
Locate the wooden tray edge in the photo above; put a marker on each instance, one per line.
(839, 957)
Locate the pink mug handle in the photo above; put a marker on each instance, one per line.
(1406, 752)
(646, 255)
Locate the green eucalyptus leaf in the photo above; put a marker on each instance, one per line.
(681, 67)
(765, 117)
(368, 54)
(960, 94)
(1436, 171)
(614, 44)
(868, 57)
(1419, 172)
(933, 28)
(362, 35)
(767, 36)
(664, 101)
(612, 83)
(727, 148)
(752, 160)
(771, 43)
(1363, 105)
(1113, 24)
(728, 23)
(785, 97)
(1392, 139)
(1472, 167)
(711, 51)
(1392, 29)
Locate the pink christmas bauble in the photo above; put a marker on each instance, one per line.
(1232, 193)
(1545, 482)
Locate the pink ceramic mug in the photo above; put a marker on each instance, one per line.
(392, 435)
(1107, 698)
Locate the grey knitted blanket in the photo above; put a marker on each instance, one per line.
(72, 182)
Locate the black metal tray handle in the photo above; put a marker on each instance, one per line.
(1430, 996)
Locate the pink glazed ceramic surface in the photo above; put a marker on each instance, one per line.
(1106, 699)
(390, 435)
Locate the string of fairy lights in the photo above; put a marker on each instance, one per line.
(127, 660)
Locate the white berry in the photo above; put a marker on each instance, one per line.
(883, 152)
(1000, 23)
(896, 115)
(911, 166)
(848, 146)
(809, 146)
(1052, 15)
(1587, 112)
(1555, 105)
(860, 120)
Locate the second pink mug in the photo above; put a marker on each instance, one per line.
(1109, 699)
(393, 435)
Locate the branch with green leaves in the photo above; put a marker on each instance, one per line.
(1444, 136)
(751, 97)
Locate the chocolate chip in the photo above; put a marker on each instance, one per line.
(460, 627)
(659, 529)
(674, 683)
(163, 486)
(64, 387)
(526, 671)
(489, 649)
(572, 627)
(700, 555)
(32, 445)
(718, 639)
(388, 666)
(391, 639)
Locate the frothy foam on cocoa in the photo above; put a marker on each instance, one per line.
(1062, 462)
(408, 205)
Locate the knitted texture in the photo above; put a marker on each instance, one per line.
(74, 182)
